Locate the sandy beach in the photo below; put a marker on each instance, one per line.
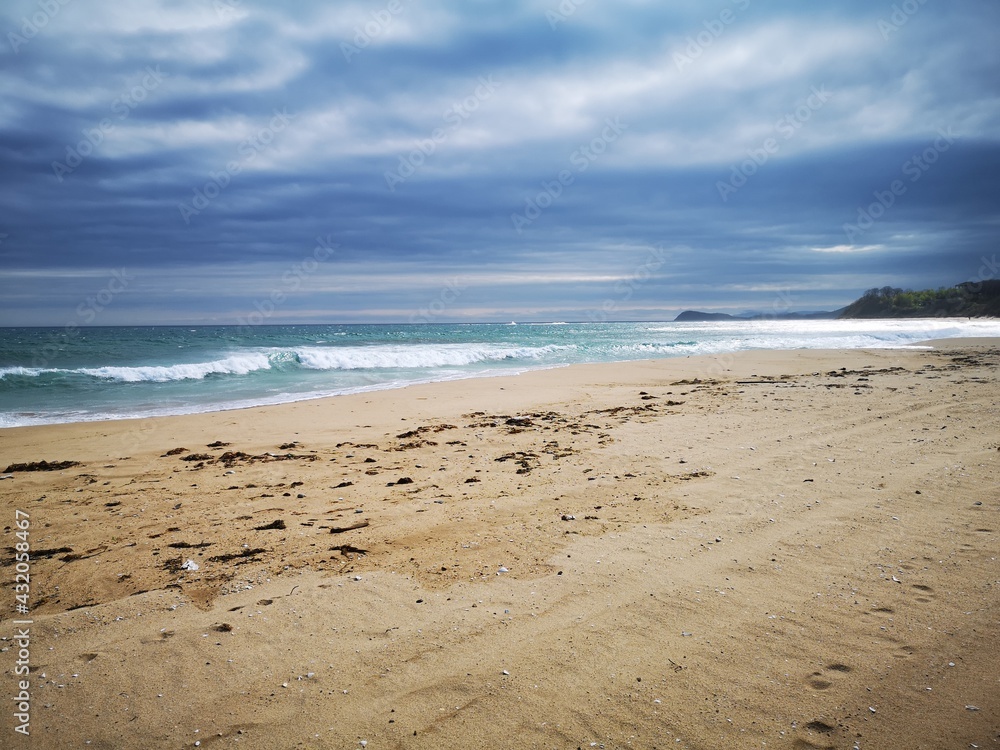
(790, 549)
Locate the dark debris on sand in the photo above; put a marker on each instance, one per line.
(41, 466)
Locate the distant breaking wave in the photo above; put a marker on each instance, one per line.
(415, 356)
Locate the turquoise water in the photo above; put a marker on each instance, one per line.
(50, 375)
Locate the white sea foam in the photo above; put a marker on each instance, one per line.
(27, 372)
(813, 333)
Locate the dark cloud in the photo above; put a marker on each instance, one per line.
(539, 154)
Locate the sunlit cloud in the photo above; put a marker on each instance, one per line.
(848, 249)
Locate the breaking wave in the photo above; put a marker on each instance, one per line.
(413, 356)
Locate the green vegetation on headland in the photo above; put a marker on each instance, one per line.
(972, 299)
(969, 300)
(696, 316)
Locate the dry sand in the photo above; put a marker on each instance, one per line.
(770, 549)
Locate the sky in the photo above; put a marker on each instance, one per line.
(205, 161)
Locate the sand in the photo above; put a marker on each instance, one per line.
(768, 549)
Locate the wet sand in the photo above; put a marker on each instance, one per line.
(769, 549)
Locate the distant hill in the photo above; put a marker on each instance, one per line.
(696, 316)
(967, 300)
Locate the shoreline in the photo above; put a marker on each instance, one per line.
(722, 550)
(159, 379)
(239, 406)
(379, 388)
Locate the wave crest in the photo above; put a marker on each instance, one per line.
(236, 365)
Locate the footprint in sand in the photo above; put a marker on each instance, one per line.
(819, 734)
(818, 682)
(825, 679)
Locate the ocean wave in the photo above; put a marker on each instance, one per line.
(241, 364)
(415, 356)
(376, 357)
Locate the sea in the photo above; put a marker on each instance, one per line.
(57, 375)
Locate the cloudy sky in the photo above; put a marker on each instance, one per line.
(195, 161)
